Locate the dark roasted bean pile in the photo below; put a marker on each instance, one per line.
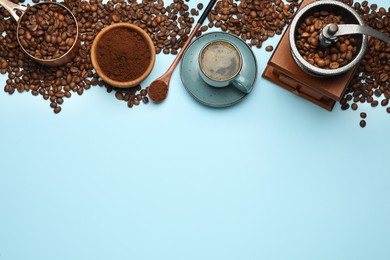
(47, 31)
(168, 27)
(252, 20)
(371, 83)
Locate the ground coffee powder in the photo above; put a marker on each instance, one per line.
(158, 91)
(122, 54)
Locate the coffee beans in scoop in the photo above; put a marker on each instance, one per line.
(47, 31)
(332, 57)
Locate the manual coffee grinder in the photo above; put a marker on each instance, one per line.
(323, 87)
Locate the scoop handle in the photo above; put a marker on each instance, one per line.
(10, 7)
(346, 29)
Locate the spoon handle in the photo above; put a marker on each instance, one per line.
(181, 52)
(206, 11)
(190, 37)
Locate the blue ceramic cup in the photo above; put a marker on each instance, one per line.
(220, 63)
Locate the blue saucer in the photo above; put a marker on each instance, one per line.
(204, 93)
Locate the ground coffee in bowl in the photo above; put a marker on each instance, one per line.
(123, 55)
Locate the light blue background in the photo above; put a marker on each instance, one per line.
(274, 177)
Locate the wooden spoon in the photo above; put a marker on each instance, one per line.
(158, 90)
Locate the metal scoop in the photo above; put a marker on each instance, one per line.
(331, 32)
(66, 57)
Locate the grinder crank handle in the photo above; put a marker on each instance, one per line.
(336, 30)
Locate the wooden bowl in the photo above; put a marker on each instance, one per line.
(122, 84)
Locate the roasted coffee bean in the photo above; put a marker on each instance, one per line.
(53, 104)
(320, 63)
(269, 48)
(57, 109)
(334, 65)
(362, 123)
(384, 77)
(363, 115)
(388, 110)
(354, 106)
(119, 95)
(194, 12)
(345, 106)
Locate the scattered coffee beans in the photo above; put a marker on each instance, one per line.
(47, 31)
(332, 57)
(252, 20)
(129, 95)
(371, 82)
(168, 27)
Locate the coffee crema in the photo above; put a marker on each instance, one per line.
(220, 61)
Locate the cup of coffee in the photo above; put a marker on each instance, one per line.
(220, 64)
